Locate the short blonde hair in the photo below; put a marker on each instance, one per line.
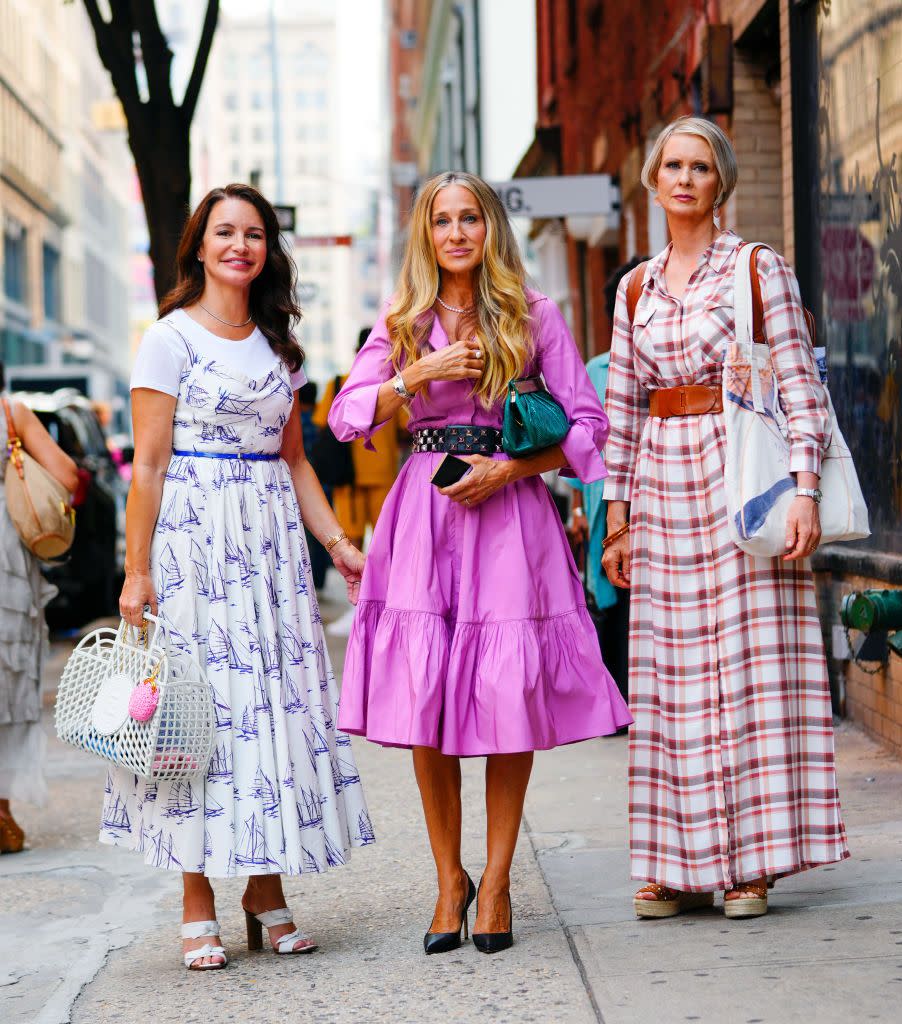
(721, 149)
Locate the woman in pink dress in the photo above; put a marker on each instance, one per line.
(471, 636)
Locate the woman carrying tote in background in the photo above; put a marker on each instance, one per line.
(221, 492)
(24, 593)
(471, 636)
(732, 777)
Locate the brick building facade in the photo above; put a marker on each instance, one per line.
(811, 95)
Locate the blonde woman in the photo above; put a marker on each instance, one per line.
(471, 636)
(731, 756)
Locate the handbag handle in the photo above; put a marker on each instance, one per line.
(743, 314)
(13, 442)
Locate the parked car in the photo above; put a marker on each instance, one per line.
(90, 576)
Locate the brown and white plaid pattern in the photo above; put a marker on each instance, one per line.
(731, 755)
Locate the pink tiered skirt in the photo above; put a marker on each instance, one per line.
(471, 633)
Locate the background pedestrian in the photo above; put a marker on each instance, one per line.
(731, 755)
(471, 636)
(376, 461)
(319, 557)
(608, 605)
(24, 593)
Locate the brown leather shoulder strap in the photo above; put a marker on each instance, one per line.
(634, 289)
(10, 425)
(758, 335)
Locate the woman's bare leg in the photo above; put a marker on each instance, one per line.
(263, 893)
(199, 904)
(506, 779)
(438, 777)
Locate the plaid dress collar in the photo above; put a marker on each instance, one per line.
(716, 256)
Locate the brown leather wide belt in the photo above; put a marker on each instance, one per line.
(686, 400)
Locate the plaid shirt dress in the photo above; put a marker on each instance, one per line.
(731, 755)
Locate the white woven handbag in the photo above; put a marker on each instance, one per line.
(94, 704)
(759, 486)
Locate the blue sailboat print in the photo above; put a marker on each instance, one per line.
(189, 516)
(212, 807)
(221, 649)
(334, 855)
(292, 701)
(264, 790)
(288, 777)
(365, 833)
(222, 713)
(201, 569)
(208, 844)
(196, 396)
(171, 578)
(309, 862)
(229, 403)
(221, 762)
(292, 647)
(162, 854)
(262, 702)
(182, 803)
(310, 811)
(115, 816)
(252, 852)
(217, 586)
(347, 771)
(248, 729)
(166, 519)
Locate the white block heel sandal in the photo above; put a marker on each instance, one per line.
(201, 930)
(271, 919)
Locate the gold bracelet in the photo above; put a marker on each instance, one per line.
(616, 535)
(332, 541)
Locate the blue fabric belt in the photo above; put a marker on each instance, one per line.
(244, 456)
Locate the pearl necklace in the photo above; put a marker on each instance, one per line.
(210, 312)
(455, 309)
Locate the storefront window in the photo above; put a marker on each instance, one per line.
(860, 121)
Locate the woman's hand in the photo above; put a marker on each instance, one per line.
(137, 592)
(486, 477)
(803, 528)
(349, 562)
(456, 361)
(616, 562)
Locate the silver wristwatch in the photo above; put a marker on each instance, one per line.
(399, 388)
(810, 492)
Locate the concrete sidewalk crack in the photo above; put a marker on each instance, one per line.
(568, 933)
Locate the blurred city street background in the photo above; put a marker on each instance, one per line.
(337, 111)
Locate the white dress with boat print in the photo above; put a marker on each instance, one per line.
(232, 574)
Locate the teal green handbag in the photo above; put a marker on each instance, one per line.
(533, 419)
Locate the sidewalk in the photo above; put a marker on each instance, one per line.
(89, 933)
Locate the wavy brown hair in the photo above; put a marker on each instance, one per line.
(273, 306)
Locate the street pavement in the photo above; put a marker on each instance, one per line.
(88, 933)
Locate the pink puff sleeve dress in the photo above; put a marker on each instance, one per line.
(471, 634)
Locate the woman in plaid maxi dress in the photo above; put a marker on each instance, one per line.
(732, 777)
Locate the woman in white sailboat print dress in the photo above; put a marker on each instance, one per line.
(216, 542)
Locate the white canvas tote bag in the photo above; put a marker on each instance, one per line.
(759, 486)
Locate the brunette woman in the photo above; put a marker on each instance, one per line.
(221, 492)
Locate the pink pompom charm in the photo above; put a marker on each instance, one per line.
(143, 701)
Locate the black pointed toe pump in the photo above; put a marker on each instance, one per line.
(495, 942)
(444, 942)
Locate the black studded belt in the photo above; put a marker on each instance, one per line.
(459, 440)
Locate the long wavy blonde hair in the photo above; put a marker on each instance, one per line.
(501, 317)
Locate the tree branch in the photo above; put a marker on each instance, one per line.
(192, 92)
(155, 51)
(114, 47)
